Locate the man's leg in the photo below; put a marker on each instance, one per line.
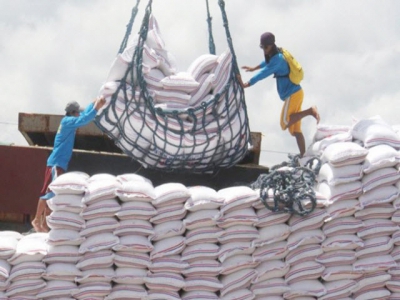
(291, 116)
(40, 214)
(296, 117)
(47, 212)
(300, 142)
(42, 210)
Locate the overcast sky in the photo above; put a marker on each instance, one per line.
(54, 51)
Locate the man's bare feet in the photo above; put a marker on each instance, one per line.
(47, 212)
(44, 226)
(315, 113)
(40, 224)
(36, 225)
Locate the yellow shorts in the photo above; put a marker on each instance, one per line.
(290, 106)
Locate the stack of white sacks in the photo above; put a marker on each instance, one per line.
(96, 263)
(131, 255)
(119, 237)
(165, 277)
(360, 179)
(287, 250)
(202, 249)
(64, 239)
(26, 266)
(9, 241)
(176, 90)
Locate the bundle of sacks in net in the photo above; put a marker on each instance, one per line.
(180, 117)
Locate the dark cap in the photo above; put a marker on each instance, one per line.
(266, 39)
(72, 106)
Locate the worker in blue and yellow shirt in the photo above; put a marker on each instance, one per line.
(291, 94)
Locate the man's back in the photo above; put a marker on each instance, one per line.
(65, 137)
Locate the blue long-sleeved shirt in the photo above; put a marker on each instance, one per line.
(278, 66)
(65, 137)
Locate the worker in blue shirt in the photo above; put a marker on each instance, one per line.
(291, 94)
(58, 161)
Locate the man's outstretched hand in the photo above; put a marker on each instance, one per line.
(243, 84)
(248, 69)
(99, 103)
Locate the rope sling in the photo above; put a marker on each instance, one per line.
(202, 138)
(288, 188)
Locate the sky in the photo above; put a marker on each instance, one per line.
(56, 51)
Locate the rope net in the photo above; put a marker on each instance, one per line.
(193, 121)
(289, 187)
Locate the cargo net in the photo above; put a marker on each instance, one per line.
(193, 121)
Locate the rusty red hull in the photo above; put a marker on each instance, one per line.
(22, 172)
